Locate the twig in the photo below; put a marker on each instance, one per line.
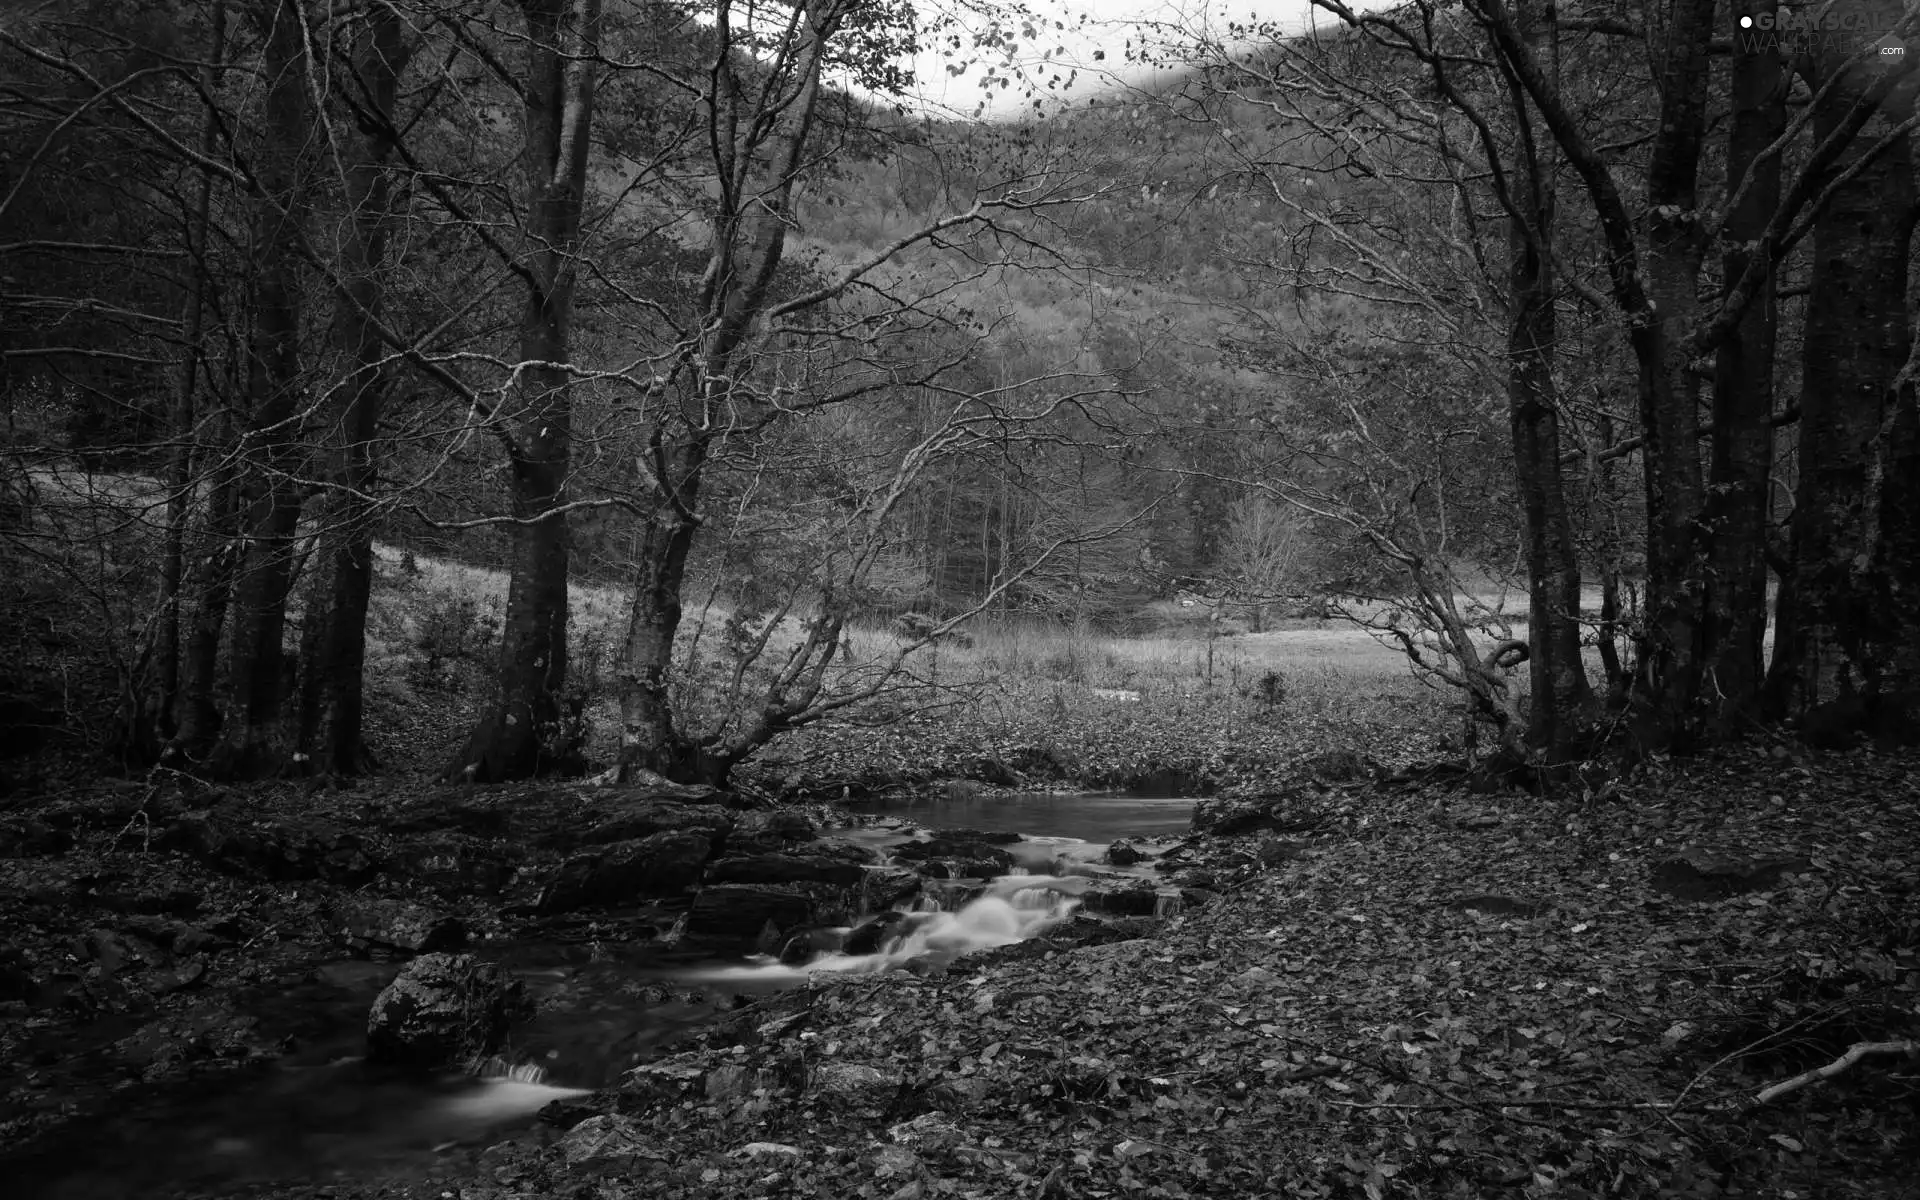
(1909, 1047)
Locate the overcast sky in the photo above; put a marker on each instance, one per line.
(1092, 28)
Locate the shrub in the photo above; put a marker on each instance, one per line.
(455, 636)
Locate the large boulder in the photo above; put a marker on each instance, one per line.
(661, 865)
(444, 1010)
(736, 916)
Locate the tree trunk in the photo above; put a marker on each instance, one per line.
(1561, 700)
(1740, 479)
(154, 723)
(1829, 641)
(255, 740)
(334, 650)
(649, 737)
(527, 730)
(1673, 650)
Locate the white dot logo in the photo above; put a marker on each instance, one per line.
(1746, 22)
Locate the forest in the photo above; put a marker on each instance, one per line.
(522, 475)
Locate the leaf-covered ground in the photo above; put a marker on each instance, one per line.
(1432, 995)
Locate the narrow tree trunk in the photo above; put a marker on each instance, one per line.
(255, 740)
(1740, 476)
(526, 731)
(1827, 646)
(1673, 651)
(649, 737)
(1561, 700)
(334, 641)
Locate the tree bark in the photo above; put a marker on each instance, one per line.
(527, 729)
(333, 653)
(1740, 475)
(1829, 641)
(1561, 699)
(255, 739)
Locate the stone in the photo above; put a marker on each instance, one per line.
(1699, 873)
(1140, 900)
(854, 1082)
(988, 837)
(870, 936)
(660, 865)
(455, 862)
(1123, 854)
(747, 916)
(1198, 897)
(271, 850)
(808, 944)
(640, 818)
(29, 837)
(787, 868)
(444, 1010)
(607, 1141)
(884, 887)
(375, 922)
(774, 830)
(953, 848)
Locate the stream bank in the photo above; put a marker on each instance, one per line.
(184, 997)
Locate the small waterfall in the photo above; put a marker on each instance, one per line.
(507, 1090)
(1011, 909)
(927, 902)
(1169, 904)
(496, 1067)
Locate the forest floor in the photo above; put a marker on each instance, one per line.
(1405, 990)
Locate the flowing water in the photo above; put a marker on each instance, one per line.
(323, 1114)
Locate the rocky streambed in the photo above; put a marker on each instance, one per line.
(187, 976)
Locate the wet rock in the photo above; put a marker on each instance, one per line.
(30, 837)
(660, 865)
(884, 887)
(453, 862)
(211, 1030)
(373, 922)
(809, 944)
(1123, 854)
(744, 916)
(854, 1083)
(640, 818)
(1140, 900)
(954, 848)
(1699, 873)
(609, 1141)
(869, 936)
(665, 1081)
(643, 784)
(443, 1010)
(272, 850)
(787, 868)
(174, 935)
(966, 868)
(774, 830)
(987, 837)
(1198, 897)
(1196, 877)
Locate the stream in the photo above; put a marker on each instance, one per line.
(321, 1114)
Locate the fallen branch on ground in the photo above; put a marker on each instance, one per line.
(1845, 1062)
